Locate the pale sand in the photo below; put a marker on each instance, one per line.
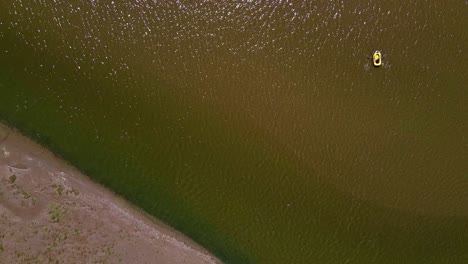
(51, 213)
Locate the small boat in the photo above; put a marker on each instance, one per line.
(377, 58)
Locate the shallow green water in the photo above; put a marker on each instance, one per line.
(258, 128)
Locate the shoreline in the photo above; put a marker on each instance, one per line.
(50, 210)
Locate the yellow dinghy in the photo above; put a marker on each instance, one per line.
(377, 58)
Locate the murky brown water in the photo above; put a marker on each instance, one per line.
(259, 128)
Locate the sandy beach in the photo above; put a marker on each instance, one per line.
(51, 213)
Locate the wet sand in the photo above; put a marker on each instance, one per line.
(51, 213)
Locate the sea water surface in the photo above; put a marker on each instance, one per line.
(258, 128)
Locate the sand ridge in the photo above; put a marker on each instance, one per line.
(51, 213)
